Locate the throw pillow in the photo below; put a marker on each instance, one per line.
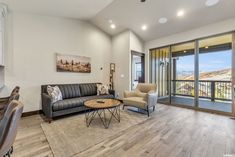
(55, 93)
(102, 89)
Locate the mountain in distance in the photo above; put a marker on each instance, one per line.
(222, 75)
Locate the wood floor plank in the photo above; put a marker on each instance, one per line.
(170, 132)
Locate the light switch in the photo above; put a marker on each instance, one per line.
(122, 75)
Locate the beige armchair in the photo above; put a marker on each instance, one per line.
(143, 97)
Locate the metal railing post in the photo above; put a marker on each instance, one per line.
(212, 90)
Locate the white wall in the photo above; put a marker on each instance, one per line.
(33, 41)
(122, 44)
(209, 30)
(121, 58)
(136, 44)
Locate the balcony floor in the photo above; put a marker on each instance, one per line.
(203, 103)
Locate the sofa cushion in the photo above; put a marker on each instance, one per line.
(67, 104)
(70, 91)
(76, 102)
(109, 96)
(88, 89)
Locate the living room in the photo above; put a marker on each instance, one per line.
(117, 78)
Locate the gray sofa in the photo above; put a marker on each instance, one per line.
(74, 96)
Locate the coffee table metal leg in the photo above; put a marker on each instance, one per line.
(89, 116)
(103, 118)
(114, 112)
(111, 116)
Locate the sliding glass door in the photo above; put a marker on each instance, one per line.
(195, 74)
(215, 73)
(182, 74)
(160, 72)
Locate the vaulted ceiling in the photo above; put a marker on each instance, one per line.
(132, 14)
(79, 9)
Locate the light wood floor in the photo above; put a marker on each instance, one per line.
(170, 132)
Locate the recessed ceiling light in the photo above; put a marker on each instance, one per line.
(185, 51)
(162, 20)
(180, 13)
(144, 27)
(206, 47)
(113, 26)
(211, 2)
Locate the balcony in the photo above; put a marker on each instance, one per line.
(214, 95)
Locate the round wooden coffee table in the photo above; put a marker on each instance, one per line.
(100, 107)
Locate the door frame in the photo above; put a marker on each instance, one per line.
(233, 74)
(142, 55)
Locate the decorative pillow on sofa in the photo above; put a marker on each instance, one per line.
(55, 93)
(102, 89)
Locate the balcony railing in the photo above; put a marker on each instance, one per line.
(214, 90)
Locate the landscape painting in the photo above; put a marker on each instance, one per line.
(72, 63)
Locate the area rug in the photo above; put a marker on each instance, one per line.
(70, 136)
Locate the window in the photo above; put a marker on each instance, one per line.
(200, 73)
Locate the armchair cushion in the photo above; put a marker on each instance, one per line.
(146, 87)
(135, 101)
(129, 94)
(141, 94)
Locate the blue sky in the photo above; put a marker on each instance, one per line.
(207, 61)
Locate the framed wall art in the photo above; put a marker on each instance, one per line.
(73, 63)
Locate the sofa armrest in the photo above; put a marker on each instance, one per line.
(129, 94)
(112, 92)
(47, 105)
(152, 98)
